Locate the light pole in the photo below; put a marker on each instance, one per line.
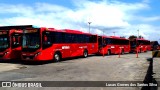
(89, 25)
(138, 33)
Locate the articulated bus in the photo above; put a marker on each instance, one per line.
(41, 44)
(140, 45)
(10, 42)
(113, 45)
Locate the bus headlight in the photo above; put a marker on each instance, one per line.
(37, 54)
(6, 53)
(24, 54)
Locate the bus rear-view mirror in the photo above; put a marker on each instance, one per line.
(45, 38)
(14, 39)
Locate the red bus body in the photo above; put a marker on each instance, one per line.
(141, 45)
(40, 44)
(10, 44)
(113, 45)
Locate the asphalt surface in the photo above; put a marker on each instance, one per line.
(93, 68)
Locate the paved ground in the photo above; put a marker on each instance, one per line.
(93, 68)
(8, 67)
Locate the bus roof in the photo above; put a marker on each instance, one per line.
(16, 27)
(68, 31)
(116, 37)
(75, 31)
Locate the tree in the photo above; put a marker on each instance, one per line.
(132, 37)
(140, 36)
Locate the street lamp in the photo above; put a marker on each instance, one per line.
(138, 33)
(89, 25)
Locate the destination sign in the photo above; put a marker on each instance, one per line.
(31, 31)
(3, 32)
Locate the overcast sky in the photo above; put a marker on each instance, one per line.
(124, 17)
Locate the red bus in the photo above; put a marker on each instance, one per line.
(10, 43)
(51, 44)
(113, 45)
(141, 45)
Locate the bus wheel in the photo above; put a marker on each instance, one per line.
(85, 53)
(109, 52)
(57, 57)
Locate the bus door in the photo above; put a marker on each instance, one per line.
(16, 43)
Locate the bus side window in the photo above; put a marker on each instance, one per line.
(93, 38)
(47, 41)
(104, 43)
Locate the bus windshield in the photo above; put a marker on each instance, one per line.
(31, 42)
(4, 42)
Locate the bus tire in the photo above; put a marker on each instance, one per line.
(57, 57)
(85, 53)
(108, 52)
